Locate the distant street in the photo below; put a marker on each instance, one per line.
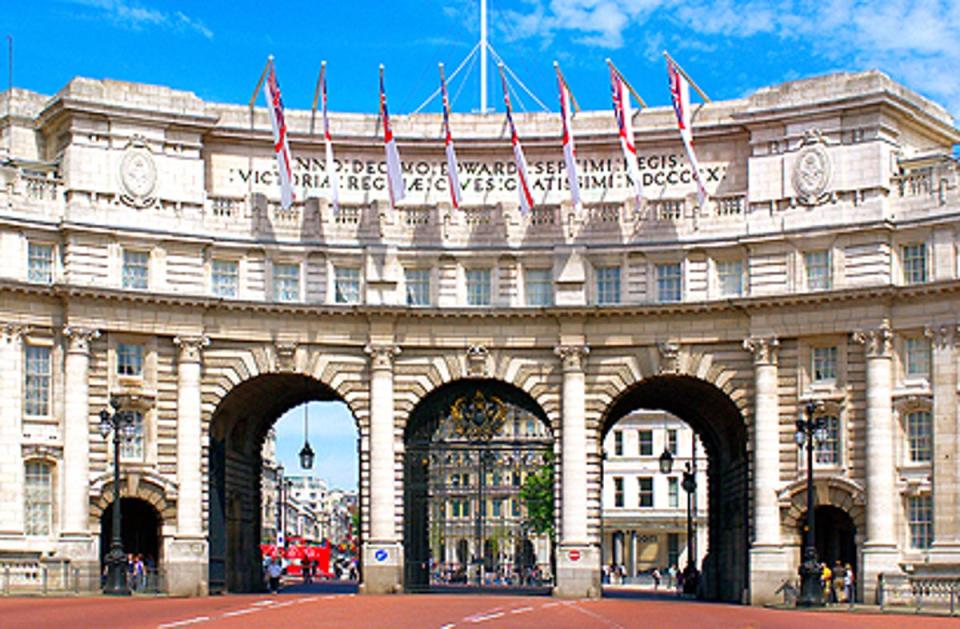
(431, 611)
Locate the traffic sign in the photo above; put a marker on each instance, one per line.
(574, 555)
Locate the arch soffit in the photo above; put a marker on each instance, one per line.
(834, 491)
(146, 485)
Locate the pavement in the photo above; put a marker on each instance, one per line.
(431, 611)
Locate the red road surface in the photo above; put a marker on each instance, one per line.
(435, 612)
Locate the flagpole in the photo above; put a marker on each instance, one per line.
(693, 83)
(563, 79)
(316, 95)
(483, 56)
(636, 96)
(263, 75)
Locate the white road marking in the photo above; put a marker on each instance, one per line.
(476, 619)
(601, 618)
(448, 626)
(181, 623)
(550, 604)
(263, 603)
(521, 610)
(241, 612)
(284, 604)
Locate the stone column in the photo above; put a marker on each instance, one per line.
(633, 553)
(382, 552)
(578, 561)
(11, 430)
(766, 552)
(880, 548)
(946, 450)
(76, 432)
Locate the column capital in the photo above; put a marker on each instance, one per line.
(14, 331)
(765, 350)
(79, 339)
(382, 355)
(190, 347)
(572, 356)
(878, 342)
(943, 336)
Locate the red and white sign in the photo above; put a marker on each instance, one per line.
(574, 555)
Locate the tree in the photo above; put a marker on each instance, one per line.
(537, 495)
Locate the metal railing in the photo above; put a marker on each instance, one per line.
(919, 592)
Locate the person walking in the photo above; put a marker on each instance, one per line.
(656, 578)
(826, 580)
(274, 571)
(848, 583)
(836, 589)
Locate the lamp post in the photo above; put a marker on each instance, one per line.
(306, 452)
(118, 422)
(810, 432)
(689, 484)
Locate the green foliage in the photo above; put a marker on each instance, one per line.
(537, 496)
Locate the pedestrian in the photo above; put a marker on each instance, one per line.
(139, 573)
(274, 571)
(836, 589)
(656, 578)
(848, 583)
(826, 581)
(672, 573)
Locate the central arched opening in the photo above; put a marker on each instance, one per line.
(478, 490)
(140, 534)
(707, 424)
(264, 505)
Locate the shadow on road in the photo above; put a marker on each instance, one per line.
(321, 587)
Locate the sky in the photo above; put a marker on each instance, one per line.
(217, 49)
(333, 437)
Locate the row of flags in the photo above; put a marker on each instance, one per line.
(621, 92)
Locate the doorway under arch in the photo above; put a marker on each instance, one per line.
(238, 428)
(721, 428)
(139, 530)
(835, 536)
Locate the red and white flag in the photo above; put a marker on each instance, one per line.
(569, 150)
(453, 178)
(523, 179)
(680, 93)
(624, 115)
(394, 168)
(281, 147)
(331, 166)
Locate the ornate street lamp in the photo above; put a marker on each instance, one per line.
(811, 431)
(306, 452)
(666, 462)
(281, 534)
(123, 428)
(689, 485)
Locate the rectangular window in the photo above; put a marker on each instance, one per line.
(645, 442)
(478, 287)
(497, 508)
(673, 549)
(286, 282)
(539, 286)
(618, 443)
(817, 267)
(917, 357)
(224, 278)
(824, 367)
(617, 491)
(673, 491)
(40, 263)
(608, 285)
(730, 278)
(418, 286)
(672, 441)
(645, 491)
(515, 508)
(132, 449)
(37, 381)
(828, 451)
(914, 260)
(669, 282)
(129, 359)
(920, 516)
(136, 269)
(920, 436)
(346, 285)
(37, 498)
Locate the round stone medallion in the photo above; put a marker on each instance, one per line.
(138, 174)
(811, 174)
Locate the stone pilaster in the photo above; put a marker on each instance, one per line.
(578, 559)
(880, 549)
(382, 552)
(766, 552)
(76, 432)
(946, 450)
(11, 430)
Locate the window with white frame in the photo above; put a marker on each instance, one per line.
(669, 282)
(417, 283)
(37, 498)
(617, 491)
(346, 285)
(131, 449)
(608, 284)
(730, 278)
(816, 266)
(539, 287)
(618, 443)
(673, 491)
(37, 381)
(644, 491)
(39, 263)
(224, 277)
(920, 518)
(129, 359)
(823, 364)
(286, 282)
(136, 269)
(479, 287)
(920, 436)
(913, 259)
(645, 442)
(916, 357)
(672, 441)
(828, 450)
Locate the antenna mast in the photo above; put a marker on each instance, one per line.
(483, 56)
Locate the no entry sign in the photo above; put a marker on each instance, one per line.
(574, 555)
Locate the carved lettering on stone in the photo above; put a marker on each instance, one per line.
(878, 342)
(765, 350)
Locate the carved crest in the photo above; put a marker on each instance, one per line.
(812, 170)
(477, 416)
(138, 175)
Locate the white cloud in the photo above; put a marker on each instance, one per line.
(135, 16)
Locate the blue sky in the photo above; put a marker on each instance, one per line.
(333, 437)
(217, 49)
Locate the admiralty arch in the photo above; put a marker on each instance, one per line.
(146, 258)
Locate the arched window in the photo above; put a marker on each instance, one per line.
(38, 498)
(920, 436)
(828, 450)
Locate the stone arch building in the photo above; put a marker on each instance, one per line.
(145, 256)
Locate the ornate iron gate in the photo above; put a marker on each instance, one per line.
(466, 520)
